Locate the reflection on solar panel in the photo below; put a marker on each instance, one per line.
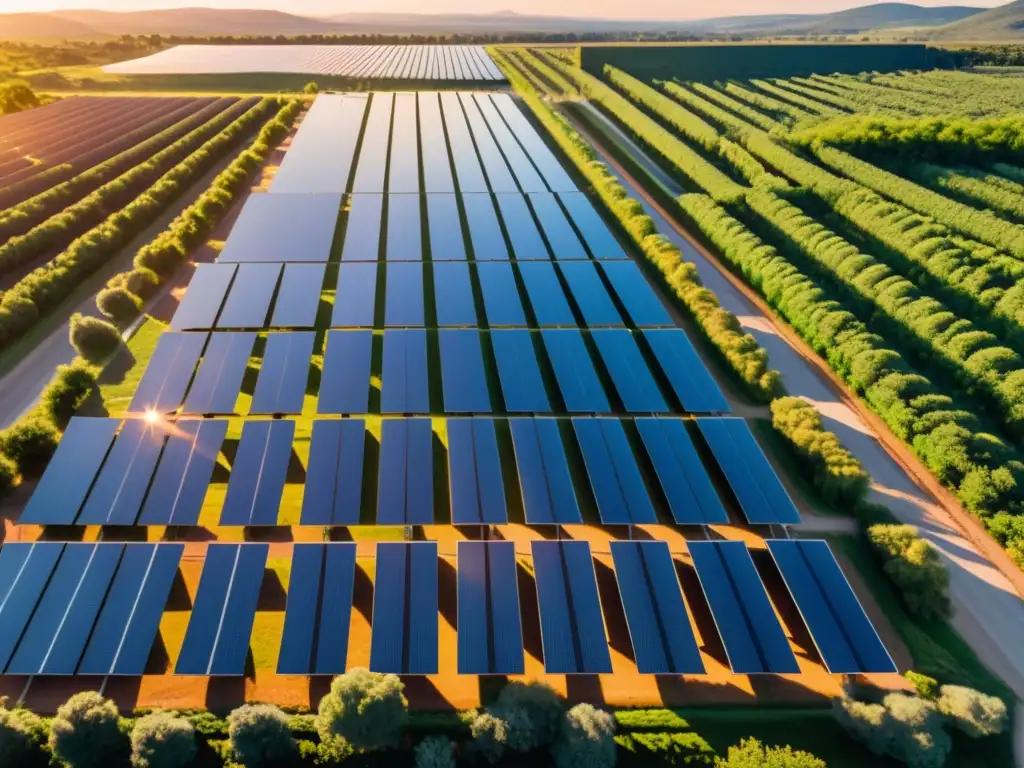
(502, 304)
(589, 293)
(758, 489)
(69, 475)
(842, 632)
(437, 172)
(25, 570)
(753, 639)
(588, 221)
(280, 228)
(527, 243)
(205, 295)
(219, 379)
(484, 229)
(345, 383)
(463, 380)
(281, 386)
(682, 476)
(405, 241)
(373, 154)
(316, 619)
(184, 472)
(258, 473)
(298, 299)
(453, 295)
(404, 165)
(642, 304)
(356, 297)
(116, 497)
(659, 627)
(622, 497)
(490, 630)
(564, 242)
(527, 176)
(550, 168)
(467, 164)
(547, 298)
(546, 485)
(574, 371)
(521, 384)
(217, 639)
(445, 227)
(251, 293)
(334, 477)
(404, 386)
(403, 303)
(362, 230)
(404, 634)
(168, 373)
(474, 466)
(691, 381)
(498, 175)
(571, 624)
(633, 381)
(405, 495)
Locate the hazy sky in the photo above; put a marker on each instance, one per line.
(662, 9)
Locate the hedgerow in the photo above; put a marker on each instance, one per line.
(914, 567)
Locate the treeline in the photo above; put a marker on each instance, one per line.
(435, 38)
(991, 55)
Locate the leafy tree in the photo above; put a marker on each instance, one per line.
(94, 339)
(366, 709)
(311, 87)
(30, 444)
(587, 739)
(22, 734)
(435, 752)
(259, 735)
(971, 711)
(69, 389)
(163, 740)
(751, 753)
(85, 732)
(8, 474)
(142, 282)
(926, 687)
(533, 713)
(490, 735)
(119, 305)
(17, 96)
(914, 566)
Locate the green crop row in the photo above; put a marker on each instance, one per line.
(973, 186)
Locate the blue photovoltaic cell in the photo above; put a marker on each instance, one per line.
(753, 639)
(404, 387)
(551, 169)
(599, 237)
(184, 472)
(404, 165)
(334, 474)
(522, 386)
(168, 373)
(615, 478)
(362, 232)
(636, 294)
(405, 494)
(547, 298)
(467, 165)
(422, 627)
(499, 178)
(490, 630)
(445, 226)
(205, 295)
(502, 304)
(474, 466)
(527, 243)
(281, 386)
(544, 479)
(251, 293)
(464, 383)
(70, 473)
(632, 379)
(298, 299)
(373, 154)
(659, 627)
(25, 570)
(405, 240)
(335, 613)
(574, 371)
(116, 497)
(322, 150)
(572, 626)
(283, 227)
(484, 229)
(123, 637)
(453, 295)
(683, 478)
(758, 489)
(258, 473)
(437, 171)
(564, 242)
(527, 176)
(219, 378)
(403, 302)
(345, 383)
(356, 297)
(404, 631)
(842, 632)
(691, 381)
(589, 293)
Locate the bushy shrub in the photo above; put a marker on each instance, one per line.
(971, 711)
(163, 740)
(366, 709)
(30, 444)
(926, 687)
(751, 753)
(904, 727)
(673, 748)
(85, 732)
(259, 735)
(94, 339)
(533, 713)
(435, 752)
(489, 734)
(119, 305)
(22, 736)
(142, 282)
(914, 567)
(8, 475)
(69, 389)
(586, 740)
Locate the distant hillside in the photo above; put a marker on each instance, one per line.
(852, 21)
(43, 26)
(1003, 23)
(195, 21)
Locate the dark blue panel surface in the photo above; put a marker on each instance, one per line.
(506, 624)
(219, 378)
(322, 152)
(284, 227)
(490, 631)
(232, 645)
(281, 386)
(183, 474)
(690, 379)
(467, 165)
(477, 490)
(405, 239)
(345, 383)
(547, 298)
(546, 484)
(405, 495)
(362, 232)
(527, 244)
(473, 620)
(404, 163)
(373, 153)
(527, 176)
(463, 380)
(336, 612)
(356, 298)
(642, 304)
(390, 607)
(590, 295)
(551, 169)
(499, 177)
(586, 607)
(403, 304)
(453, 295)
(404, 387)
(258, 473)
(577, 380)
(25, 570)
(334, 475)
(437, 171)
(619, 488)
(422, 628)
(168, 373)
(70, 473)
(207, 610)
(502, 304)
(521, 384)
(484, 229)
(598, 236)
(298, 298)
(302, 611)
(121, 485)
(564, 242)
(202, 301)
(636, 387)
(251, 293)
(445, 226)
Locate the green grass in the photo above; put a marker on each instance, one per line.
(119, 381)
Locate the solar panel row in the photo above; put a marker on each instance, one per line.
(321, 154)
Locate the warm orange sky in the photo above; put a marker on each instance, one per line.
(662, 9)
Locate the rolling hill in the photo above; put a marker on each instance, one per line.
(1003, 23)
(44, 26)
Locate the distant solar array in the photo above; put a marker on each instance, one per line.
(370, 62)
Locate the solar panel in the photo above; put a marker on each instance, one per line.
(345, 383)
(691, 381)
(572, 626)
(362, 230)
(281, 227)
(502, 304)
(659, 627)
(334, 475)
(753, 639)
(405, 494)
(70, 472)
(251, 293)
(281, 386)
(404, 386)
(499, 178)
(467, 165)
(258, 473)
(842, 632)
(484, 229)
(168, 373)
(437, 172)
(474, 466)
(25, 571)
(220, 625)
(547, 298)
(636, 294)
(202, 301)
(319, 607)
(463, 380)
(373, 154)
(527, 176)
(404, 165)
(404, 295)
(544, 479)
(404, 633)
(298, 299)
(219, 378)
(548, 165)
(116, 496)
(564, 242)
(490, 630)
(636, 387)
(527, 244)
(184, 472)
(522, 386)
(683, 478)
(619, 489)
(589, 293)
(356, 297)
(453, 295)
(445, 226)
(574, 372)
(322, 150)
(405, 240)
(588, 221)
(758, 489)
